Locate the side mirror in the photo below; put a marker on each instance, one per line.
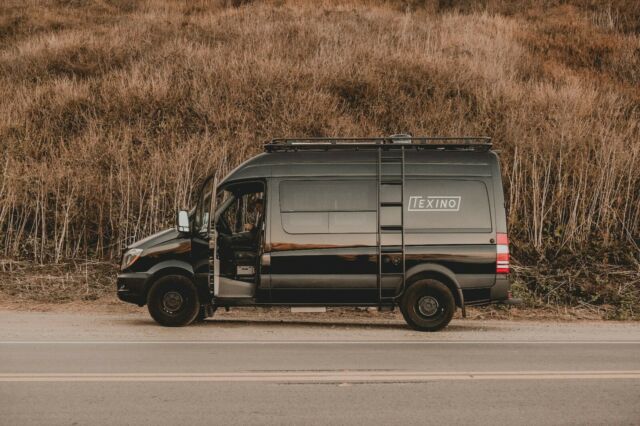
(182, 221)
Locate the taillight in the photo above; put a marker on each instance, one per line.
(502, 254)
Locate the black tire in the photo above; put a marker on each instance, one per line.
(428, 305)
(173, 301)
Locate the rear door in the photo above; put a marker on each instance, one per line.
(449, 221)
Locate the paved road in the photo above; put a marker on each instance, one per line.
(121, 369)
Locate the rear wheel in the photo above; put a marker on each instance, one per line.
(173, 301)
(428, 305)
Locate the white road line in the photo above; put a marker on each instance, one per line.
(322, 377)
(320, 342)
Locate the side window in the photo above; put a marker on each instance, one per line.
(439, 205)
(230, 215)
(201, 219)
(244, 213)
(328, 207)
(248, 212)
(253, 205)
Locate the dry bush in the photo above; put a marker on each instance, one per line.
(56, 283)
(111, 113)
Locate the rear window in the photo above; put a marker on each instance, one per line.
(434, 205)
(328, 207)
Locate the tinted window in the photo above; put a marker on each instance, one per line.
(434, 205)
(306, 222)
(329, 196)
(320, 207)
(244, 213)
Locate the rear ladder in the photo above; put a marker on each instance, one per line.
(390, 219)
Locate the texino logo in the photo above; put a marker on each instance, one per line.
(434, 203)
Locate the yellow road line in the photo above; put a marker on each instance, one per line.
(319, 377)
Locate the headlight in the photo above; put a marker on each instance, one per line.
(130, 258)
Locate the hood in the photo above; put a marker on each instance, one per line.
(155, 239)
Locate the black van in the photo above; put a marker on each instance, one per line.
(416, 222)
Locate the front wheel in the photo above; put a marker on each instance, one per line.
(173, 301)
(428, 305)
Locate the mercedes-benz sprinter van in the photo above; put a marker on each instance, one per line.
(414, 222)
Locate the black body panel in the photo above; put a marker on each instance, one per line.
(165, 252)
(335, 262)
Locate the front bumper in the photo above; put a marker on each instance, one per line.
(132, 287)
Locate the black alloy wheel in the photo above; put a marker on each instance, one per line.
(173, 301)
(428, 305)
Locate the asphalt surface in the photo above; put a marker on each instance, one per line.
(63, 368)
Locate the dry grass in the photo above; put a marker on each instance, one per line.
(27, 284)
(111, 111)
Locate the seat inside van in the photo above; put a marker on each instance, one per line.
(240, 226)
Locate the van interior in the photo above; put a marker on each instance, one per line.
(240, 227)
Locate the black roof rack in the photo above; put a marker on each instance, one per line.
(465, 143)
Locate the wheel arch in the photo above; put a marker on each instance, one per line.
(169, 268)
(441, 273)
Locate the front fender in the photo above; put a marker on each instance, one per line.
(179, 266)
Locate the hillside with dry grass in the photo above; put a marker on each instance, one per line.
(112, 112)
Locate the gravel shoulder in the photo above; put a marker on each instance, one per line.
(134, 324)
